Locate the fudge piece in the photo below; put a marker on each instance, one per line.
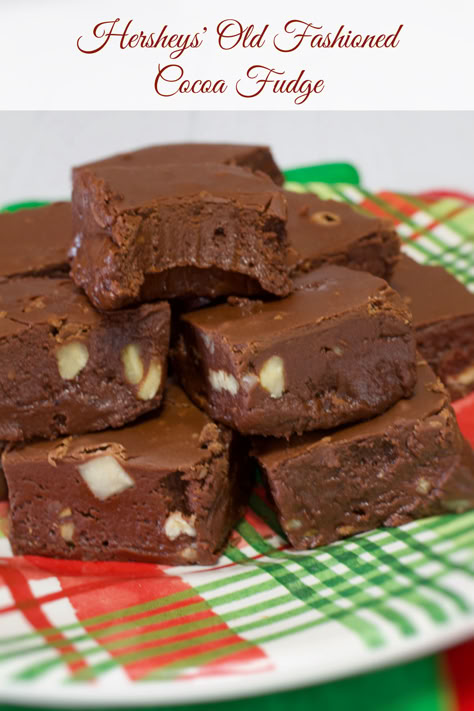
(340, 348)
(67, 369)
(408, 463)
(330, 232)
(35, 242)
(253, 157)
(193, 230)
(443, 318)
(166, 490)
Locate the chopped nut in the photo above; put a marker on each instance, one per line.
(221, 380)
(272, 376)
(67, 531)
(293, 524)
(465, 377)
(423, 486)
(327, 219)
(346, 530)
(249, 381)
(105, 477)
(209, 342)
(189, 554)
(65, 512)
(72, 358)
(132, 363)
(176, 525)
(152, 382)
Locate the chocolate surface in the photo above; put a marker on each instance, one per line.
(199, 230)
(339, 349)
(329, 232)
(167, 489)
(443, 318)
(408, 463)
(36, 241)
(67, 369)
(253, 157)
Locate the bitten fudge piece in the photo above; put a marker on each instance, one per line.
(151, 232)
(330, 232)
(443, 318)
(340, 348)
(35, 242)
(166, 490)
(253, 157)
(67, 369)
(408, 463)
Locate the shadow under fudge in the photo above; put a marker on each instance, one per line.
(443, 319)
(159, 232)
(167, 489)
(339, 349)
(408, 463)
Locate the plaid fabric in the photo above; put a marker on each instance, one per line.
(264, 609)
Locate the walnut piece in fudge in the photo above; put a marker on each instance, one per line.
(257, 158)
(36, 241)
(67, 369)
(443, 319)
(408, 463)
(167, 489)
(329, 232)
(339, 349)
(195, 230)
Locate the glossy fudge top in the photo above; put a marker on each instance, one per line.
(318, 227)
(431, 293)
(252, 156)
(28, 301)
(429, 398)
(326, 293)
(177, 438)
(35, 241)
(114, 189)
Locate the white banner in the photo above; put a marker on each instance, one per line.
(246, 55)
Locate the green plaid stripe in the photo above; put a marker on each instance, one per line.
(397, 575)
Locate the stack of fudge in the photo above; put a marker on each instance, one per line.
(185, 317)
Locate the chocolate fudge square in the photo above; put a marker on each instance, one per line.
(329, 232)
(257, 158)
(340, 348)
(36, 241)
(167, 490)
(67, 369)
(195, 230)
(443, 318)
(408, 463)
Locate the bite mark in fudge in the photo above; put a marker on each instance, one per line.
(408, 463)
(36, 241)
(339, 349)
(64, 367)
(167, 489)
(253, 157)
(195, 230)
(443, 318)
(329, 232)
